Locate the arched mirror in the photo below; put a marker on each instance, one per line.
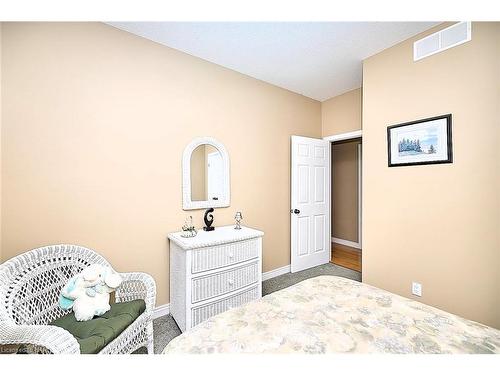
(205, 170)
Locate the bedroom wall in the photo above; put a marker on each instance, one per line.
(436, 224)
(342, 113)
(94, 125)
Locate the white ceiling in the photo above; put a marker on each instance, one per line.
(317, 60)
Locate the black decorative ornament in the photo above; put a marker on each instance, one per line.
(208, 219)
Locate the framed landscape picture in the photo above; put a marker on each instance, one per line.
(426, 141)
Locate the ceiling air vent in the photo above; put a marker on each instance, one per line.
(442, 40)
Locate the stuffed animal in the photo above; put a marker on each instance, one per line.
(88, 292)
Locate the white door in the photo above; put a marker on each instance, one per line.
(310, 203)
(215, 176)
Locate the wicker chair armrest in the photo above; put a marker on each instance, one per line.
(54, 339)
(137, 285)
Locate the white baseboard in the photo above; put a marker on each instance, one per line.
(340, 241)
(276, 272)
(161, 310)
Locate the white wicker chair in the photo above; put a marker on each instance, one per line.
(29, 290)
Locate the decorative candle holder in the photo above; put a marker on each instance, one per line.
(238, 217)
(188, 229)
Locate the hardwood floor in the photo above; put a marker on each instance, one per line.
(346, 256)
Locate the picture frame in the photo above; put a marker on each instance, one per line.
(420, 142)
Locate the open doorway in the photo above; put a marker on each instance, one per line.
(345, 211)
(317, 227)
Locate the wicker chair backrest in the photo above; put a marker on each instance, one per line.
(30, 283)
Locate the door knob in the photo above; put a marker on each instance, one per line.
(295, 211)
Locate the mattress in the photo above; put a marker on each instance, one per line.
(329, 314)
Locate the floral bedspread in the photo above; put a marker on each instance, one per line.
(329, 314)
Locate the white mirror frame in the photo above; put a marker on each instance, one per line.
(187, 203)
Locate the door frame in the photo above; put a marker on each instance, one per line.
(343, 137)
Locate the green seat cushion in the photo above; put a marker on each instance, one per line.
(93, 335)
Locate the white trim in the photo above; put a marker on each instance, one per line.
(161, 310)
(276, 272)
(340, 241)
(187, 203)
(344, 136)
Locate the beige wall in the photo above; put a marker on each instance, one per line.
(94, 124)
(345, 164)
(341, 114)
(436, 224)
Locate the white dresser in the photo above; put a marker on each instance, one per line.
(213, 272)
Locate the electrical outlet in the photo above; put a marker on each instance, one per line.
(416, 289)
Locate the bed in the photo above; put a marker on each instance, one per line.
(329, 314)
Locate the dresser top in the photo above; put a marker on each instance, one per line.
(219, 236)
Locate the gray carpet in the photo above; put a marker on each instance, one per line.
(286, 280)
(165, 328)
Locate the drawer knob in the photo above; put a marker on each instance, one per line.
(230, 282)
(231, 255)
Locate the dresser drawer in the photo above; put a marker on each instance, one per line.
(209, 258)
(217, 284)
(201, 313)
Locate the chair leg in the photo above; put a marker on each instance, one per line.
(150, 346)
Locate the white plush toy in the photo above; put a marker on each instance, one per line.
(88, 292)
